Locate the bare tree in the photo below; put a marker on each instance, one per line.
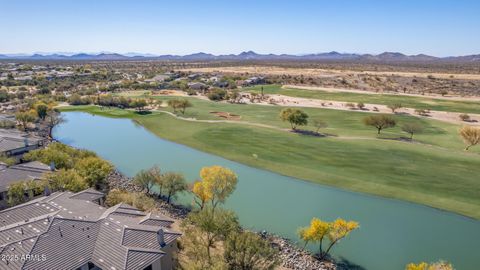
(471, 135)
(52, 119)
(412, 128)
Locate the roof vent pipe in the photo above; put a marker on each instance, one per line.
(161, 238)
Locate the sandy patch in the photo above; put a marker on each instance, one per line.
(366, 92)
(281, 100)
(227, 115)
(317, 72)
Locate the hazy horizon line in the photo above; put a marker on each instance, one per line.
(70, 53)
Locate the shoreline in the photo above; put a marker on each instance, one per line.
(292, 256)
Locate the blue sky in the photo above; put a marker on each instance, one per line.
(440, 27)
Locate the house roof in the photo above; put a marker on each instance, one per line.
(71, 230)
(20, 172)
(13, 139)
(158, 78)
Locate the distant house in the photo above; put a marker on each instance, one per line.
(158, 78)
(21, 172)
(221, 84)
(197, 86)
(214, 79)
(23, 78)
(71, 231)
(14, 143)
(193, 76)
(253, 81)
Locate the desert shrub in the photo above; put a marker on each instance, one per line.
(464, 117)
(217, 94)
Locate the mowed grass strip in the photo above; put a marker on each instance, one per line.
(386, 99)
(434, 176)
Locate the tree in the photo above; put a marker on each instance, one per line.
(219, 183)
(16, 193)
(41, 110)
(139, 104)
(248, 251)
(471, 135)
(24, 118)
(53, 118)
(339, 229)
(61, 155)
(183, 104)
(201, 194)
(34, 187)
(295, 117)
(66, 180)
(334, 231)
(174, 104)
(94, 170)
(213, 226)
(76, 99)
(440, 265)
(318, 124)
(173, 183)
(379, 122)
(412, 128)
(316, 232)
(144, 179)
(217, 94)
(394, 107)
(7, 160)
(360, 105)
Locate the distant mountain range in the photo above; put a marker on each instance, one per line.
(244, 56)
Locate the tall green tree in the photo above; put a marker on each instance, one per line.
(294, 116)
(380, 122)
(16, 194)
(24, 118)
(66, 179)
(94, 170)
(41, 110)
(173, 184)
(145, 179)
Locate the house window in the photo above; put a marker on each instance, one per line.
(2, 196)
(148, 268)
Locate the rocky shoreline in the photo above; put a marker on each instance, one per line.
(292, 256)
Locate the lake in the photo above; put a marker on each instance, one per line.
(392, 233)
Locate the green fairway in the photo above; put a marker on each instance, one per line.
(434, 171)
(387, 99)
(340, 123)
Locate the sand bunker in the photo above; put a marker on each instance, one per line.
(227, 115)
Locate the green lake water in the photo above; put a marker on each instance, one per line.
(392, 233)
